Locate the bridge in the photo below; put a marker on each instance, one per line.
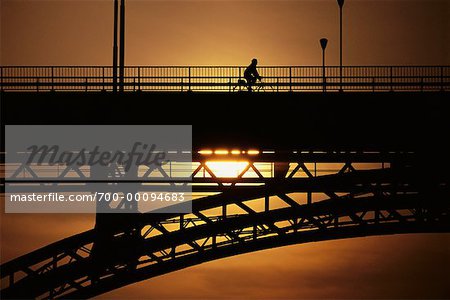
(371, 160)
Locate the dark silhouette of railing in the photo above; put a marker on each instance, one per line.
(225, 78)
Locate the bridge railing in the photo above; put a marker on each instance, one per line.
(226, 78)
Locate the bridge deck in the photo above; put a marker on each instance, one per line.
(271, 121)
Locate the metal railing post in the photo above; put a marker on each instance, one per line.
(442, 79)
(189, 73)
(290, 79)
(324, 79)
(240, 69)
(391, 80)
(103, 78)
(53, 84)
(139, 78)
(37, 84)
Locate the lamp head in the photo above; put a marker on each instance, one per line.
(323, 43)
(340, 3)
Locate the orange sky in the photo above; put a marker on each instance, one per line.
(226, 32)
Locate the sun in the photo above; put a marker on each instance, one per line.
(227, 168)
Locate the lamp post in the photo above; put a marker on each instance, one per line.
(122, 46)
(323, 44)
(341, 5)
(116, 17)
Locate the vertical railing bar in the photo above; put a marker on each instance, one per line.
(240, 70)
(391, 80)
(189, 79)
(53, 85)
(103, 78)
(290, 79)
(139, 78)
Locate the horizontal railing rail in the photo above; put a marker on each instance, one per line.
(226, 78)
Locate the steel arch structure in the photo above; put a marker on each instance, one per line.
(404, 198)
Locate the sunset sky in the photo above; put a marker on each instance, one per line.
(393, 32)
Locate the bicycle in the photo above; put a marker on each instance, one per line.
(259, 87)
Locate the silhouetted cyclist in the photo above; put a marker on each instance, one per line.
(251, 74)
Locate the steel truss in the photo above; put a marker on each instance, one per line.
(240, 215)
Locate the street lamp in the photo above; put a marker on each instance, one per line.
(341, 5)
(119, 51)
(122, 46)
(116, 17)
(323, 44)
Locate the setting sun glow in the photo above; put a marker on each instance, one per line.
(227, 168)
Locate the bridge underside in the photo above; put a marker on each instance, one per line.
(373, 202)
(403, 132)
(331, 121)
